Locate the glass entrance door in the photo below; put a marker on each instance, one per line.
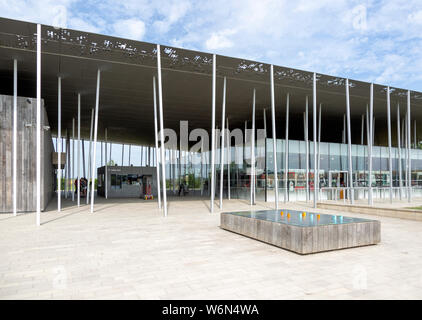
(338, 179)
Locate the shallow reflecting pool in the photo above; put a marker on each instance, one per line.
(298, 218)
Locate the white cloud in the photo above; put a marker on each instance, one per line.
(130, 29)
(416, 17)
(83, 25)
(172, 13)
(219, 40)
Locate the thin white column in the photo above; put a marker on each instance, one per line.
(111, 144)
(286, 150)
(371, 112)
(406, 180)
(266, 167)
(15, 133)
(129, 157)
(368, 135)
(106, 165)
(415, 142)
(373, 132)
(362, 129)
(349, 144)
(402, 132)
(229, 154)
(97, 103)
(344, 128)
(202, 161)
(160, 104)
(316, 181)
(174, 169)
(83, 159)
(223, 118)
(214, 66)
(38, 152)
(59, 147)
(89, 156)
(390, 161)
(253, 150)
(154, 90)
(399, 151)
(101, 148)
(305, 124)
(78, 167)
(274, 137)
(66, 169)
(123, 153)
(73, 160)
(319, 141)
(409, 156)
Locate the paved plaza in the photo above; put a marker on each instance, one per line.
(127, 250)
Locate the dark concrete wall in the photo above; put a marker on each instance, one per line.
(26, 154)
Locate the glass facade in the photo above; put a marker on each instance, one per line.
(333, 173)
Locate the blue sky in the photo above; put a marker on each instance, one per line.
(369, 40)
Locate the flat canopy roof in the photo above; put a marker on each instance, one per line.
(126, 94)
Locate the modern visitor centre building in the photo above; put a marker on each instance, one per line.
(60, 87)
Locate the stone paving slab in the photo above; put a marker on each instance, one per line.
(127, 250)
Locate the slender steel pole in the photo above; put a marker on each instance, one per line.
(97, 103)
(38, 152)
(202, 172)
(229, 155)
(307, 149)
(265, 148)
(214, 66)
(111, 145)
(373, 132)
(89, 157)
(101, 148)
(160, 103)
(409, 156)
(66, 169)
(83, 158)
(72, 185)
(154, 90)
(319, 141)
(286, 151)
(406, 154)
(59, 147)
(274, 137)
(371, 118)
(106, 165)
(123, 152)
(253, 150)
(399, 152)
(316, 181)
(362, 129)
(349, 144)
(15, 134)
(390, 161)
(415, 143)
(368, 135)
(344, 128)
(223, 118)
(402, 133)
(129, 157)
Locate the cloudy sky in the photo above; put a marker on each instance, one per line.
(369, 40)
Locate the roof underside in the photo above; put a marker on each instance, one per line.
(126, 94)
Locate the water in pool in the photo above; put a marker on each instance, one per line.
(298, 218)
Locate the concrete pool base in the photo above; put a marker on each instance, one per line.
(304, 239)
